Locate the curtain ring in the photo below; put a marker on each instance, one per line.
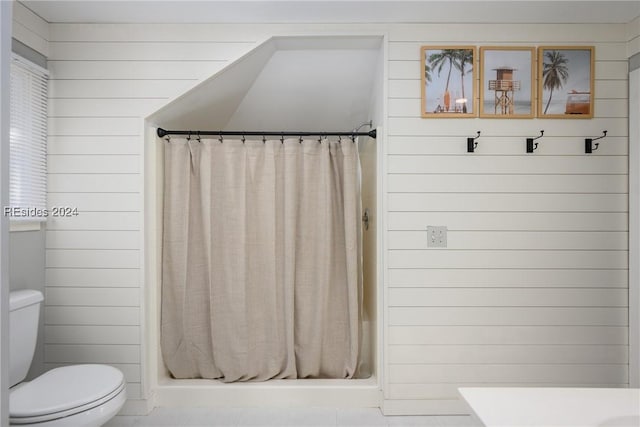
(282, 138)
(300, 139)
(189, 136)
(353, 138)
(198, 138)
(220, 137)
(264, 139)
(243, 139)
(339, 138)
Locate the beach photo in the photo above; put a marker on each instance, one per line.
(448, 81)
(506, 82)
(565, 76)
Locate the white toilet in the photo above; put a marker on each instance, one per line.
(79, 395)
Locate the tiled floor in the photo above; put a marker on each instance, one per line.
(283, 417)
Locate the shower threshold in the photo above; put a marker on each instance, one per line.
(337, 393)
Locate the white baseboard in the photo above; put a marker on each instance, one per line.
(426, 407)
(137, 407)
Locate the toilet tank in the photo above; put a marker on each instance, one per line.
(24, 310)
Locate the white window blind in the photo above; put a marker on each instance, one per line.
(28, 140)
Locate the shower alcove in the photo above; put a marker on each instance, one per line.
(301, 83)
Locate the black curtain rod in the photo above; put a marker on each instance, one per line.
(163, 132)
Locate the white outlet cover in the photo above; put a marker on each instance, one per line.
(436, 236)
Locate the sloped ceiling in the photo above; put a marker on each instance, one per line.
(285, 84)
(211, 104)
(309, 90)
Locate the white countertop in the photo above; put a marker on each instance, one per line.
(551, 407)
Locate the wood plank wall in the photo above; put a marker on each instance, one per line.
(633, 37)
(30, 29)
(633, 51)
(104, 80)
(532, 289)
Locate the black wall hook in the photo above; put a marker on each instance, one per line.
(531, 146)
(588, 143)
(472, 144)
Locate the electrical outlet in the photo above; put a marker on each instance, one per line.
(436, 236)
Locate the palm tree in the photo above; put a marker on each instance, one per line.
(438, 60)
(463, 57)
(427, 72)
(554, 72)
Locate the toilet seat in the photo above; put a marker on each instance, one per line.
(63, 392)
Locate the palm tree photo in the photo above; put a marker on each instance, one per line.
(555, 73)
(463, 58)
(427, 72)
(438, 61)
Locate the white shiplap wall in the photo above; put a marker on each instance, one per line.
(532, 289)
(30, 29)
(633, 51)
(633, 37)
(104, 80)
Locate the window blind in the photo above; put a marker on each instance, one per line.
(28, 140)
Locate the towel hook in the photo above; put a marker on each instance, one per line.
(472, 144)
(588, 147)
(530, 144)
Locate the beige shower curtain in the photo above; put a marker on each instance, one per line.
(261, 273)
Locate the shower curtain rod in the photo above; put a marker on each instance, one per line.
(163, 132)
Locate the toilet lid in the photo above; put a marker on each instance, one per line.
(65, 388)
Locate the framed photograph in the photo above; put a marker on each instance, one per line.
(507, 82)
(448, 81)
(565, 81)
